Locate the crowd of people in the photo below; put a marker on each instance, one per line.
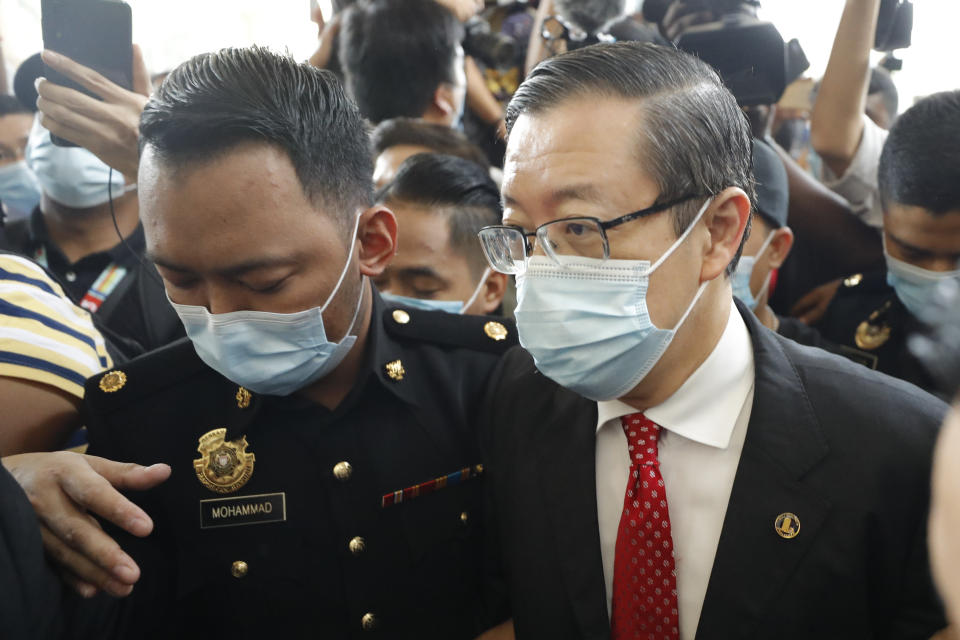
(490, 320)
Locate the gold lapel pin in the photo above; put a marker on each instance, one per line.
(395, 370)
(787, 525)
(113, 381)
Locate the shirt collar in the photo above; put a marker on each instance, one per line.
(706, 407)
(126, 253)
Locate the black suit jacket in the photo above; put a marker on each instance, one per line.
(846, 449)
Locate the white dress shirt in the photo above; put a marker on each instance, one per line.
(704, 425)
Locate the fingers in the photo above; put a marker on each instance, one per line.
(85, 576)
(93, 490)
(141, 77)
(84, 76)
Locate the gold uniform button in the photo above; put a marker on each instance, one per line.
(368, 622)
(495, 331)
(401, 317)
(853, 280)
(342, 471)
(357, 545)
(239, 569)
(464, 517)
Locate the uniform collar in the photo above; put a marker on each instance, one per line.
(388, 361)
(705, 408)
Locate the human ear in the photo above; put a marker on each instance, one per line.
(378, 240)
(725, 219)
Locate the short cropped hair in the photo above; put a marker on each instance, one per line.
(216, 101)
(692, 137)
(920, 162)
(395, 55)
(9, 105)
(460, 190)
(419, 133)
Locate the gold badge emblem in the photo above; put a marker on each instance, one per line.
(872, 336)
(401, 317)
(395, 370)
(787, 525)
(223, 467)
(495, 331)
(243, 398)
(113, 381)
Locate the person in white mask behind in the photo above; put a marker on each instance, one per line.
(441, 202)
(919, 180)
(19, 189)
(660, 464)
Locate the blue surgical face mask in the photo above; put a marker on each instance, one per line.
(587, 325)
(915, 286)
(743, 273)
(449, 306)
(269, 353)
(72, 176)
(19, 190)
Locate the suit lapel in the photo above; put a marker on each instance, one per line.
(566, 469)
(783, 442)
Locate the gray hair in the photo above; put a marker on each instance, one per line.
(693, 139)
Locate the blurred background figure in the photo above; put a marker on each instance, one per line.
(397, 139)
(19, 189)
(441, 203)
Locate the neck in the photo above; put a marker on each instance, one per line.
(81, 232)
(331, 390)
(694, 342)
(766, 316)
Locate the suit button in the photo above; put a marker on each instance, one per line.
(357, 545)
(342, 471)
(368, 622)
(239, 569)
(464, 517)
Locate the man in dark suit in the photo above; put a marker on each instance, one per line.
(661, 465)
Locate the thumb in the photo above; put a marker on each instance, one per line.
(141, 78)
(128, 475)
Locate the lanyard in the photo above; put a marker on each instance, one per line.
(101, 288)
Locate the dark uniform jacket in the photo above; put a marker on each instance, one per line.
(136, 317)
(29, 590)
(867, 317)
(361, 522)
(845, 449)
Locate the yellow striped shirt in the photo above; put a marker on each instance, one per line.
(43, 336)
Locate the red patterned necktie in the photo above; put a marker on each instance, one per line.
(644, 576)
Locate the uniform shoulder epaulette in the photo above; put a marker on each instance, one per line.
(490, 334)
(145, 375)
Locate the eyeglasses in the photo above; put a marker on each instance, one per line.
(508, 247)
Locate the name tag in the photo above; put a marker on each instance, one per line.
(240, 510)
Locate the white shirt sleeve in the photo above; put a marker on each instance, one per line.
(859, 184)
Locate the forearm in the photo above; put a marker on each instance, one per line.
(836, 122)
(537, 49)
(479, 98)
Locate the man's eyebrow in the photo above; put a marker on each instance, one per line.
(231, 271)
(909, 247)
(418, 272)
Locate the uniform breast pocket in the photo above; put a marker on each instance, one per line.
(443, 526)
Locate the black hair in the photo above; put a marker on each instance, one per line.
(458, 189)
(692, 137)
(395, 55)
(881, 82)
(418, 133)
(920, 162)
(215, 101)
(9, 105)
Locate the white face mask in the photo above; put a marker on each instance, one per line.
(72, 176)
(587, 325)
(744, 272)
(19, 190)
(915, 286)
(270, 353)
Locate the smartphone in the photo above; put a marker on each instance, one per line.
(96, 33)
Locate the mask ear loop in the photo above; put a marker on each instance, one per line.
(346, 266)
(764, 247)
(476, 292)
(683, 236)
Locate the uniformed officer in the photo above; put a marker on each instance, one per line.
(875, 313)
(325, 476)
